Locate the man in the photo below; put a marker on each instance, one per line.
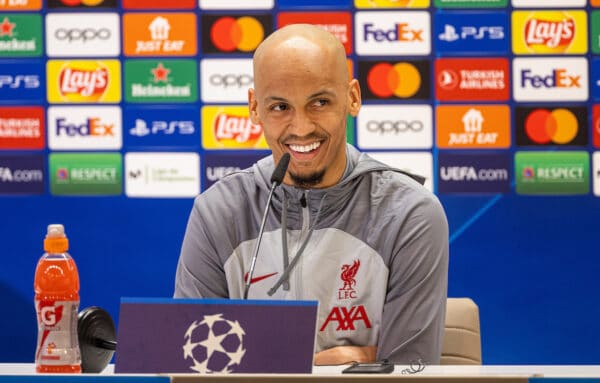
(366, 241)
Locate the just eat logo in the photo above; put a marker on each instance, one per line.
(345, 318)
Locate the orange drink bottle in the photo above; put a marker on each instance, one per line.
(56, 286)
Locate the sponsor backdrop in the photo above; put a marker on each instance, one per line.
(114, 114)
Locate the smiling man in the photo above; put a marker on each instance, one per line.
(369, 242)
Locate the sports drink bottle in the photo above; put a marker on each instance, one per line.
(56, 286)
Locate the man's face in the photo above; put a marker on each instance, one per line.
(302, 104)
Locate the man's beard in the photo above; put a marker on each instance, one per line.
(307, 181)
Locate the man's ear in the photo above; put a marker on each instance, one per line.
(354, 98)
(253, 107)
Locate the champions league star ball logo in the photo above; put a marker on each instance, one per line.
(214, 344)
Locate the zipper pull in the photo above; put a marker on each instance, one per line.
(303, 200)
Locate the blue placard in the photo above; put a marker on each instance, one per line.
(22, 81)
(316, 4)
(485, 33)
(22, 174)
(474, 173)
(216, 166)
(161, 127)
(595, 79)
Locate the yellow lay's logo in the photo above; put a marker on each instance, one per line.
(84, 81)
(549, 32)
(229, 127)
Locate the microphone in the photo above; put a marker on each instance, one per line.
(276, 179)
(97, 338)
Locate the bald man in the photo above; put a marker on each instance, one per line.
(367, 241)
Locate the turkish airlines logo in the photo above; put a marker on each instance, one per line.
(345, 317)
(22, 127)
(403, 80)
(472, 79)
(399, 33)
(546, 126)
(550, 79)
(348, 277)
(338, 24)
(549, 32)
(82, 35)
(474, 126)
(163, 34)
(229, 34)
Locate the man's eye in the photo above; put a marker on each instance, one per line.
(279, 107)
(321, 102)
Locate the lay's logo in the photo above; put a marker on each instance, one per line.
(230, 128)
(84, 81)
(549, 32)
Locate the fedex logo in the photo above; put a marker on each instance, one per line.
(91, 127)
(550, 79)
(400, 32)
(389, 33)
(84, 127)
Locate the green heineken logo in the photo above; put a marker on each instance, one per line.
(20, 35)
(595, 36)
(85, 174)
(552, 172)
(350, 130)
(161, 81)
(470, 3)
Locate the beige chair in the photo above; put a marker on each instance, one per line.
(462, 339)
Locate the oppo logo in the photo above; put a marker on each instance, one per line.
(231, 80)
(86, 34)
(398, 126)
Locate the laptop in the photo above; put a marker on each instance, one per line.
(165, 335)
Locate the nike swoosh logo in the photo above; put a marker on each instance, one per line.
(258, 279)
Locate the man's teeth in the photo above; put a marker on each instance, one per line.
(305, 148)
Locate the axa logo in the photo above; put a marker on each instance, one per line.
(162, 127)
(348, 277)
(471, 32)
(241, 129)
(402, 32)
(228, 34)
(346, 318)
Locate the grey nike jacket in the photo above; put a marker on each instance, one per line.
(373, 250)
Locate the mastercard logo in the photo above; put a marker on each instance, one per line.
(74, 3)
(558, 126)
(229, 34)
(402, 80)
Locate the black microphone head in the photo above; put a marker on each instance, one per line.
(280, 169)
(97, 338)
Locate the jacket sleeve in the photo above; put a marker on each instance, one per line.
(415, 304)
(200, 272)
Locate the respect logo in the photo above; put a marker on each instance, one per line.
(229, 34)
(549, 32)
(547, 126)
(159, 34)
(84, 81)
(554, 173)
(403, 80)
(230, 127)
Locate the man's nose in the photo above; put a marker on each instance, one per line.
(301, 124)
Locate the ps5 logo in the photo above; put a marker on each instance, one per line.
(18, 81)
(471, 32)
(141, 128)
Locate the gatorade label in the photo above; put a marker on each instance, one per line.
(57, 340)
